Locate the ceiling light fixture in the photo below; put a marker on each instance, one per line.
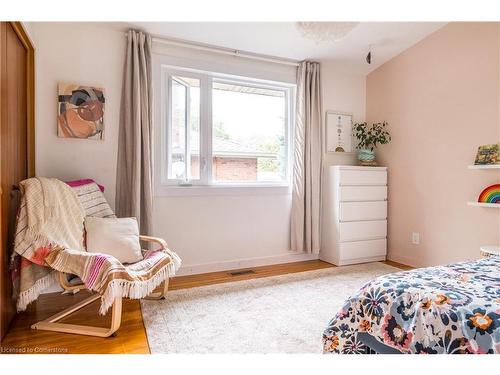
(325, 31)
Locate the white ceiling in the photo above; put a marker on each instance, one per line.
(283, 39)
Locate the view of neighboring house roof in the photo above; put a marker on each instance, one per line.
(226, 147)
(248, 89)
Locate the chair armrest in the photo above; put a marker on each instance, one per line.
(160, 241)
(157, 240)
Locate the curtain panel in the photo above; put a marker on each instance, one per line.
(134, 167)
(307, 163)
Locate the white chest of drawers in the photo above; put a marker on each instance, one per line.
(354, 228)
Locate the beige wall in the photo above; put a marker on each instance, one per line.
(251, 228)
(344, 90)
(441, 99)
(255, 227)
(83, 53)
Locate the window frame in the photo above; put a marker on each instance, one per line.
(207, 185)
(167, 125)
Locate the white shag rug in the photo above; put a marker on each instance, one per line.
(279, 314)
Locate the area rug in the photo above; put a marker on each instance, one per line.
(279, 314)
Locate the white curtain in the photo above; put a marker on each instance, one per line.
(306, 190)
(134, 169)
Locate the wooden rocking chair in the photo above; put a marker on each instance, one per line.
(52, 322)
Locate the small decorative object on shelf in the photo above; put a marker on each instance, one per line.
(488, 251)
(488, 154)
(490, 195)
(368, 139)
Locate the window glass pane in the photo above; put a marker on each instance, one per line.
(185, 129)
(248, 133)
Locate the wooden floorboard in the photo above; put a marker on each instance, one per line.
(404, 267)
(191, 281)
(131, 336)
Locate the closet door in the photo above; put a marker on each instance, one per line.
(16, 145)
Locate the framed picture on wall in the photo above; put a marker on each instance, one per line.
(80, 111)
(338, 132)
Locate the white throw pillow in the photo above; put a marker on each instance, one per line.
(118, 237)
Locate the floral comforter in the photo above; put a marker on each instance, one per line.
(445, 309)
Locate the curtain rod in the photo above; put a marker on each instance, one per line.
(225, 51)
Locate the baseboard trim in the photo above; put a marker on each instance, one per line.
(408, 261)
(361, 260)
(195, 269)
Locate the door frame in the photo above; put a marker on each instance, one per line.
(30, 89)
(30, 119)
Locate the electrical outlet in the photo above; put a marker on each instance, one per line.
(415, 238)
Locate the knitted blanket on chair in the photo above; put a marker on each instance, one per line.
(49, 237)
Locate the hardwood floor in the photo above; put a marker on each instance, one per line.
(403, 267)
(192, 281)
(131, 337)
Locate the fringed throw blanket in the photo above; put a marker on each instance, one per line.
(49, 216)
(49, 236)
(106, 275)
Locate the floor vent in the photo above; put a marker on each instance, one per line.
(239, 273)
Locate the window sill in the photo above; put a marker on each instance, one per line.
(221, 190)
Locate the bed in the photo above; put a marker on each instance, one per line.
(445, 309)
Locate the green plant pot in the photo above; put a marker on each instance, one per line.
(366, 155)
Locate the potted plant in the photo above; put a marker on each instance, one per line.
(368, 139)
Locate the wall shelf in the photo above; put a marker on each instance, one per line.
(485, 166)
(478, 204)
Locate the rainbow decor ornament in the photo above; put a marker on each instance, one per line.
(490, 195)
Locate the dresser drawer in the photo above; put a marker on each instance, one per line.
(362, 249)
(362, 230)
(363, 193)
(354, 211)
(353, 177)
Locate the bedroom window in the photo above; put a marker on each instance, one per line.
(184, 131)
(225, 131)
(249, 132)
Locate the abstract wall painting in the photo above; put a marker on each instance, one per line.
(80, 112)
